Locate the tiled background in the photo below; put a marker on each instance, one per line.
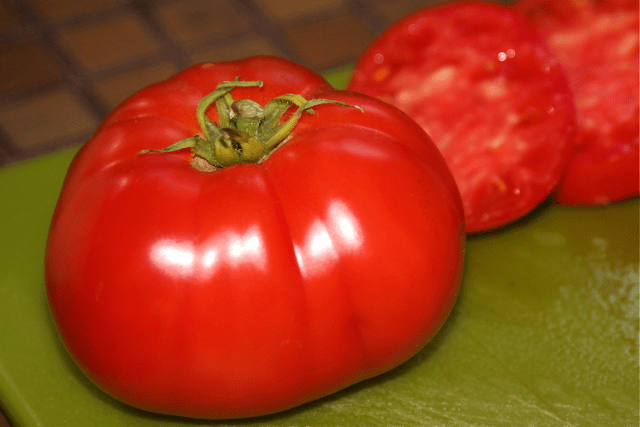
(65, 64)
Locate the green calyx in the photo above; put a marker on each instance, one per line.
(247, 132)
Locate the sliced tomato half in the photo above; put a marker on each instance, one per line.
(490, 93)
(597, 42)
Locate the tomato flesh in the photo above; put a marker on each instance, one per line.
(491, 95)
(597, 42)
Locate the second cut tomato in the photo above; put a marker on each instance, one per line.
(597, 41)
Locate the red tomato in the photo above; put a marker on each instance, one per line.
(489, 92)
(258, 286)
(597, 42)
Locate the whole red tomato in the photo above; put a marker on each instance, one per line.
(250, 288)
(492, 95)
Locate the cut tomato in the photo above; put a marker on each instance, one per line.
(597, 42)
(490, 93)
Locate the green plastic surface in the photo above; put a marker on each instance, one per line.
(544, 333)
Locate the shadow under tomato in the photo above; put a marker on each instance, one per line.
(531, 216)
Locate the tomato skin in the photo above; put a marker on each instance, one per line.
(489, 91)
(257, 287)
(597, 42)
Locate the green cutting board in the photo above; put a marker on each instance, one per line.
(544, 333)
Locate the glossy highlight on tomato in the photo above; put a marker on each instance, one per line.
(491, 94)
(252, 288)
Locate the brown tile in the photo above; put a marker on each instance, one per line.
(8, 20)
(194, 20)
(329, 43)
(52, 116)
(99, 45)
(283, 10)
(59, 10)
(25, 65)
(116, 89)
(248, 47)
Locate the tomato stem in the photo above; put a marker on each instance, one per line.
(246, 132)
